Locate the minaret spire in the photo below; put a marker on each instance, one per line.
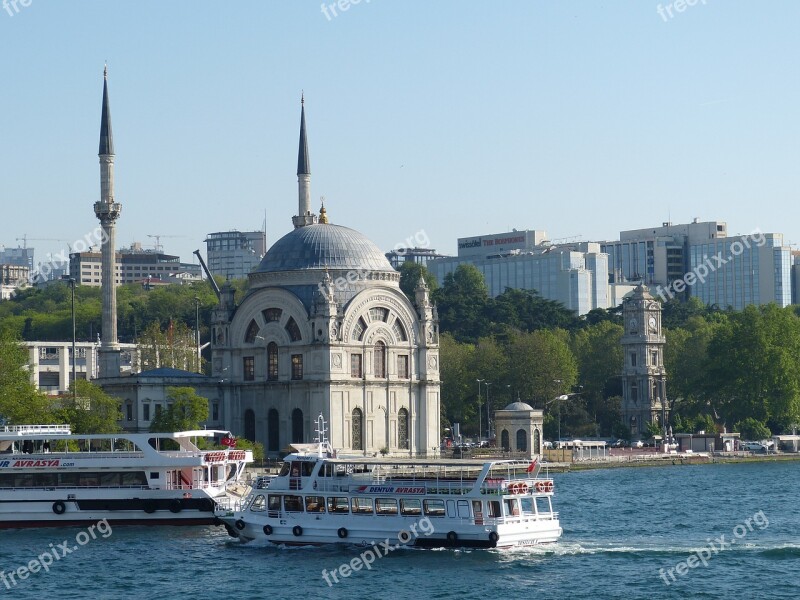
(304, 214)
(108, 211)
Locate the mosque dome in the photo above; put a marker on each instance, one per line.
(518, 406)
(323, 246)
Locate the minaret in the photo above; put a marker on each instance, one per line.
(304, 214)
(107, 211)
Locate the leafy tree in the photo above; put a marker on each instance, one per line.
(462, 302)
(458, 388)
(186, 410)
(752, 429)
(173, 347)
(598, 351)
(91, 410)
(20, 402)
(542, 366)
(410, 272)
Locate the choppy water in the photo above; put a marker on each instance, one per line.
(621, 527)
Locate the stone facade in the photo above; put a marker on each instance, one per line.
(519, 428)
(644, 384)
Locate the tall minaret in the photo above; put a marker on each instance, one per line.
(108, 212)
(304, 214)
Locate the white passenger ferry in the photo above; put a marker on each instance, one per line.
(318, 499)
(50, 477)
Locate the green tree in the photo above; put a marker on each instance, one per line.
(20, 402)
(410, 272)
(542, 366)
(186, 410)
(752, 429)
(458, 387)
(462, 303)
(598, 352)
(91, 410)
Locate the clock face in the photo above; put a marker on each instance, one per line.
(652, 323)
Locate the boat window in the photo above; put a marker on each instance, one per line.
(258, 503)
(274, 505)
(68, 479)
(463, 509)
(493, 507)
(512, 507)
(411, 507)
(338, 504)
(527, 505)
(307, 469)
(284, 470)
(386, 506)
(315, 504)
(362, 506)
(543, 505)
(24, 480)
(88, 479)
(134, 479)
(45, 480)
(110, 479)
(434, 508)
(293, 503)
(327, 470)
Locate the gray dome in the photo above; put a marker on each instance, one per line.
(323, 246)
(518, 406)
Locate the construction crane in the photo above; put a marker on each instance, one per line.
(158, 236)
(25, 239)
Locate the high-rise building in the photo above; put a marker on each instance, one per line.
(739, 271)
(233, 254)
(17, 256)
(575, 274)
(657, 255)
(132, 265)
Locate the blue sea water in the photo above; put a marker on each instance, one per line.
(621, 527)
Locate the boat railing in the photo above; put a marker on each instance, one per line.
(37, 429)
(78, 454)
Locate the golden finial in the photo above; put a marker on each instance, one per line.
(323, 214)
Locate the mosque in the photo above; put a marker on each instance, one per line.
(325, 329)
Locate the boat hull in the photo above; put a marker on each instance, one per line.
(56, 510)
(394, 531)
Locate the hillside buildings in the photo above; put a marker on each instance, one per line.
(233, 254)
(575, 274)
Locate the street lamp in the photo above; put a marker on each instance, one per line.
(480, 414)
(488, 414)
(197, 330)
(74, 357)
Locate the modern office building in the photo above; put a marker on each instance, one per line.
(796, 277)
(657, 255)
(575, 274)
(133, 264)
(739, 271)
(51, 363)
(17, 256)
(233, 254)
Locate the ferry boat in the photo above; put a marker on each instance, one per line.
(50, 477)
(319, 498)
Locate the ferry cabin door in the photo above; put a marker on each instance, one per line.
(451, 509)
(477, 511)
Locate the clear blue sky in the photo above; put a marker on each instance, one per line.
(457, 118)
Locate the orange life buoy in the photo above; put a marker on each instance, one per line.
(523, 488)
(548, 486)
(539, 486)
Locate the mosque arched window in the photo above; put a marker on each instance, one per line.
(293, 330)
(252, 332)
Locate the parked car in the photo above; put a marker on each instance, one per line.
(637, 444)
(753, 446)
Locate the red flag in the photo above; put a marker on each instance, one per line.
(532, 466)
(230, 442)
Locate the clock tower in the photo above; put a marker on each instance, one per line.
(644, 382)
